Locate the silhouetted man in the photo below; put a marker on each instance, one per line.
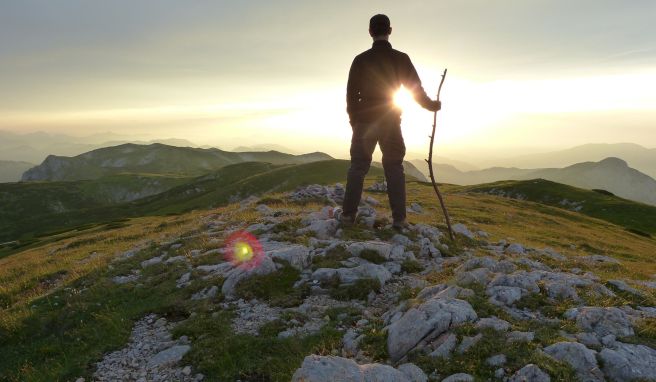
(375, 76)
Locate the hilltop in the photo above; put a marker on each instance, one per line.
(527, 291)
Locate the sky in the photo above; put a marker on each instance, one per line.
(523, 75)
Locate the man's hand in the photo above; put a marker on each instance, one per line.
(436, 106)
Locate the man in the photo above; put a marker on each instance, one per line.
(375, 76)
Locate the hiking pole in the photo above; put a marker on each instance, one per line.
(430, 164)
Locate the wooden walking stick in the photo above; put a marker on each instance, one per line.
(430, 164)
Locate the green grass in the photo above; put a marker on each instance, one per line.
(276, 288)
(74, 327)
(222, 355)
(32, 215)
(372, 256)
(637, 218)
(374, 343)
(411, 266)
(331, 259)
(473, 361)
(357, 291)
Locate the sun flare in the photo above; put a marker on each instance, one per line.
(403, 98)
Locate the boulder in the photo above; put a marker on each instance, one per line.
(476, 276)
(462, 229)
(519, 279)
(236, 274)
(382, 248)
(446, 343)
(530, 373)
(351, 275)
(337, 369)
(427, 249)
(626, 362)
(169, 356)
(322, 229)
(460, 377)
(432, 317)
(298, 256)
(328, 369)
(624, 287)
(496, 360)
(468, 342)
(493, 323)
(413, 372)
(152, 261)
(579, 357)
(504, 295)
(376, 372)
(602, 321)
(515, 249)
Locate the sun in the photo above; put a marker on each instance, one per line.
(403, 99)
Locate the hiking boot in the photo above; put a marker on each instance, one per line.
(401, 226)
(344, 220)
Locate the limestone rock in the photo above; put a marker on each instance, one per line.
(382, 248)
(433, 317)
(515, 249)
(336, 369)
(496, 360)
(460, 377)
(579, 357)
(298, 256)
(446, 343)
(351, 275)
(413, 372)
(328, 369)
(530, 373)
(493, 323)
(626, 362)
(462, 229)
(169, 356)
(602, 321)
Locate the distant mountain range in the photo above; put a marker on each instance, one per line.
(611, 174)
(153, 159)
(11, 171)
(638, 157)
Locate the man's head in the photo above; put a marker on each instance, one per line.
(379, 27)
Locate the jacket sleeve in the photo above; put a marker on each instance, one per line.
(353, 89)
(412, 82)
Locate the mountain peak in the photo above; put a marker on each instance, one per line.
(613, 161)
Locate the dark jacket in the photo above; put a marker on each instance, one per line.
(375, 76)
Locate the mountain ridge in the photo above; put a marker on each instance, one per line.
(612, 174)
(154, 158)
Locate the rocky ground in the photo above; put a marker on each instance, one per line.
(416, 307)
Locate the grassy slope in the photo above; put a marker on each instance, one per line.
(27, 219)
(62, 312)
(629, 214)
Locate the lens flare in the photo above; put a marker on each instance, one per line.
(243, 250)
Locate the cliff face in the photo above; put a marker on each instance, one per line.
(53, 168)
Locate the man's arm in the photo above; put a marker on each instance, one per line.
(353, 89)
(412, 82)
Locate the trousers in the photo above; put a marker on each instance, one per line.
(387, 134)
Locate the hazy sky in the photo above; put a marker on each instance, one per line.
(523, 74)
